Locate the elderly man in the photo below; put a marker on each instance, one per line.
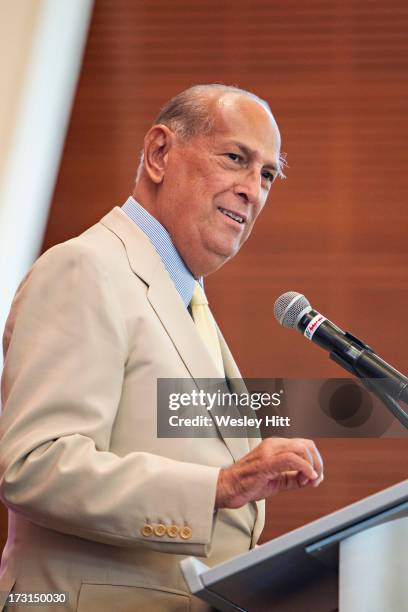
(101, 509)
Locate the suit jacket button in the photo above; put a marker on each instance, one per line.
(172, 531)
(186, 533)
(159, 530)
(146, 531)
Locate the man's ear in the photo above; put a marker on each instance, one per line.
(157, 144)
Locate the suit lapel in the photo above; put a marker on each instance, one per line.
(237, 385)
(170, 309)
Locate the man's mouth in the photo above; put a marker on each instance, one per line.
(235, 216)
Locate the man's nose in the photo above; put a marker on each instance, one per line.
(249, 186)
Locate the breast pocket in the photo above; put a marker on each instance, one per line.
(121, 598)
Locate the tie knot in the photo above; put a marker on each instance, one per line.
(199, 297)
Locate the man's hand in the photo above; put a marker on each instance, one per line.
(276, 464)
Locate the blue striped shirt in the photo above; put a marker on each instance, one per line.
(162, 242)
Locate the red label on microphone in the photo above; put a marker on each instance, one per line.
(313, 325)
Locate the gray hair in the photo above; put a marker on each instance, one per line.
(188, 114)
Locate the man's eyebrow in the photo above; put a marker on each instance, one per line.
(251, 153)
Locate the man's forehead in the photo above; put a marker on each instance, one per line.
(245, 120)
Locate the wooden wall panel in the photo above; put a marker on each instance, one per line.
(335, 75)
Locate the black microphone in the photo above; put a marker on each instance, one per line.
(293, 310)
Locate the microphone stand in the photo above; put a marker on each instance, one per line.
(392, 404)
(372, 384)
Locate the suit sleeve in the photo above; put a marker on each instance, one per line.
(56, 466)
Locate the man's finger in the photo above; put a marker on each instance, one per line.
(314, 455)
(290, 461)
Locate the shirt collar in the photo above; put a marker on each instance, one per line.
(162, 242)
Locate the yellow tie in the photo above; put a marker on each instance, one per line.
(206, 326)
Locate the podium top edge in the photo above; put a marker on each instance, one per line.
(311, 532)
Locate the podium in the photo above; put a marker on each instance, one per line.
(353, 560)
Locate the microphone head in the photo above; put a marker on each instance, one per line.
(290, 307)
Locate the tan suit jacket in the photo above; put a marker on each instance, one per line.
(93, 325)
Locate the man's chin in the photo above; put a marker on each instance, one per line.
(212, 263)
(229, 252)
(214, 255)
(221, 256)
(225, 247)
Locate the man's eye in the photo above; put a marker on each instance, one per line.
(268, 176)
(234, 156)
